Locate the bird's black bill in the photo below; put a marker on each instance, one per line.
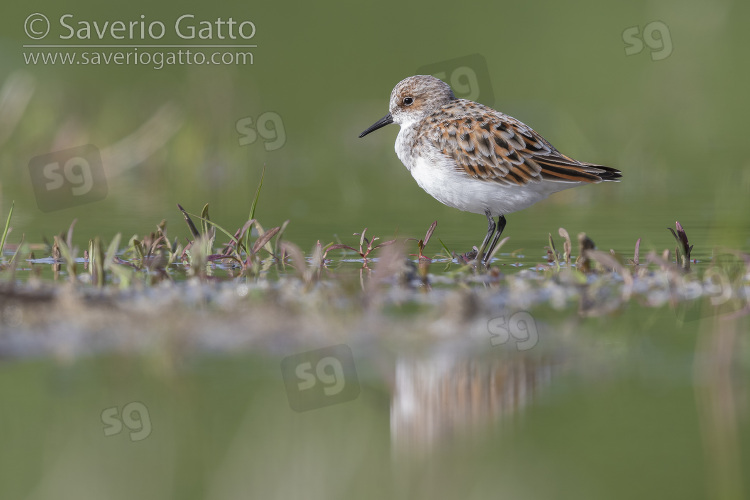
(386, 120)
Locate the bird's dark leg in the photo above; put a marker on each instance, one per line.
(490, 230)
(500, 226)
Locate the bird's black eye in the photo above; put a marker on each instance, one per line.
(408, 101)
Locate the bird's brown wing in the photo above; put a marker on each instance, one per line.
(491, 146)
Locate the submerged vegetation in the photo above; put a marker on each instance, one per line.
(255, 254)
(217, 280)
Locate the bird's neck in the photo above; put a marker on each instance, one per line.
(405, 143)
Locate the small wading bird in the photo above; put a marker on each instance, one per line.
(470, 157)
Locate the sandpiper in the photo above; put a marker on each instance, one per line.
(476, 159)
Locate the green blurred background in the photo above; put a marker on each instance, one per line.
(636, 413)
(324, 72)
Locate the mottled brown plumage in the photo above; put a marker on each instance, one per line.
(474, 158)
(491, 146)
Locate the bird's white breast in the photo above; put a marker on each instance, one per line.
(438, 174)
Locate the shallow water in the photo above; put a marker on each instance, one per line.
(607, 389)
(595, 404)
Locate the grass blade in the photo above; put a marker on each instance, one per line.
(5, 231)
(191, 226)
(429, 233)
(445, 248)
(69, 238)
(498, 247)
(257, 194)
(112, 250)
(263, 239)
(205, 219)
(213, 224)
(18, 250)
